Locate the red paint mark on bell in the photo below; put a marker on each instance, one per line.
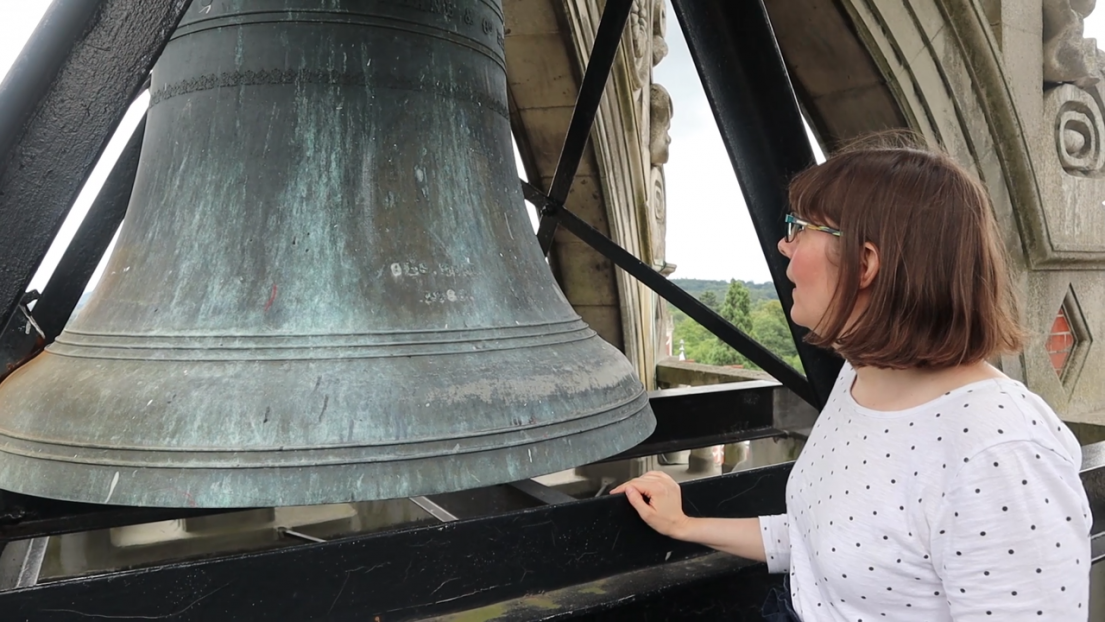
(188, 498)
(272, 299)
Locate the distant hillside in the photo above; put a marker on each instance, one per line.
(758, 291)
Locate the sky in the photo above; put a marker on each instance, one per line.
(709, 235)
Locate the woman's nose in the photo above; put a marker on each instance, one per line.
(784, 247)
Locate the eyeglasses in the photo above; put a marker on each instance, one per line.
(795, 224)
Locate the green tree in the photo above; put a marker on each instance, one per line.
(752, 307)
(769, 325)
(737, 309)
(709, 298)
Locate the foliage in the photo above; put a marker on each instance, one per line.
(710, 299)
(752, 307)
(698, 287)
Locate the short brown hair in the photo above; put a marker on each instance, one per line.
(942, 296)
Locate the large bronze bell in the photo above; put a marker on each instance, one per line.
(326, 288)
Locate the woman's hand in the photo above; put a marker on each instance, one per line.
(656, 497)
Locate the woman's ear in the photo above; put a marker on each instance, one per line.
(868, 265)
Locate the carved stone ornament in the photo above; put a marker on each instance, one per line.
(660, 113)
(647, 27)
(659, 31)
(640, 29)
(1079, 128)
(658, 206)
(1068, 56)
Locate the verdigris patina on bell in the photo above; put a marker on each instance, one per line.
(326, 288)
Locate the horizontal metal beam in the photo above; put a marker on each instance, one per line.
(434, 509)
(1093, 480)
(405, 574)
(20, 563)
(704, 416)
(24, 516)
(711, 587)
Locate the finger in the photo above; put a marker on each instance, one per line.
(638, 502)
(621, 487)
(644, 487)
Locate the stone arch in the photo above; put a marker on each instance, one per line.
(969, 75)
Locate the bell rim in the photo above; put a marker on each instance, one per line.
(75, 452)
(345, 483)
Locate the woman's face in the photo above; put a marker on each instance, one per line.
(813, 270)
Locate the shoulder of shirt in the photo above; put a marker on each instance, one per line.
(998, 412)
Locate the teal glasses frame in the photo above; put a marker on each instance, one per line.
(796, 224)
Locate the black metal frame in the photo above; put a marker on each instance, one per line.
(510, 540)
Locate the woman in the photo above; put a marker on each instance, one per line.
(932, 487)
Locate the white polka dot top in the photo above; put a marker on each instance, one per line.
(968, 507)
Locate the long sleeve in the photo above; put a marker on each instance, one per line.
(775, 531)
(1011, 540)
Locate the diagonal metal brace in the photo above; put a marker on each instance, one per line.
(671, 292)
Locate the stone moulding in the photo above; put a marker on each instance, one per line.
(1078, 128)
(948, 75)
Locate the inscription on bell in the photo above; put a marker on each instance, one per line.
(449, 295)
(413, 268)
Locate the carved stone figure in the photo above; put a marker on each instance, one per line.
(1067, 55)
(660, 111)
(659, 208)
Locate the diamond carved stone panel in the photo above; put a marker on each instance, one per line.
(1060, 342)
(1068, 340)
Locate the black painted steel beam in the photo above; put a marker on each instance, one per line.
(79, 262)
(20, 338)
(746, 83)
(24, 516)
(702, 588)
(706, 416)
(409, 573)
(62, 101)
(603, 51)
(27, 333)
(1093, 480)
